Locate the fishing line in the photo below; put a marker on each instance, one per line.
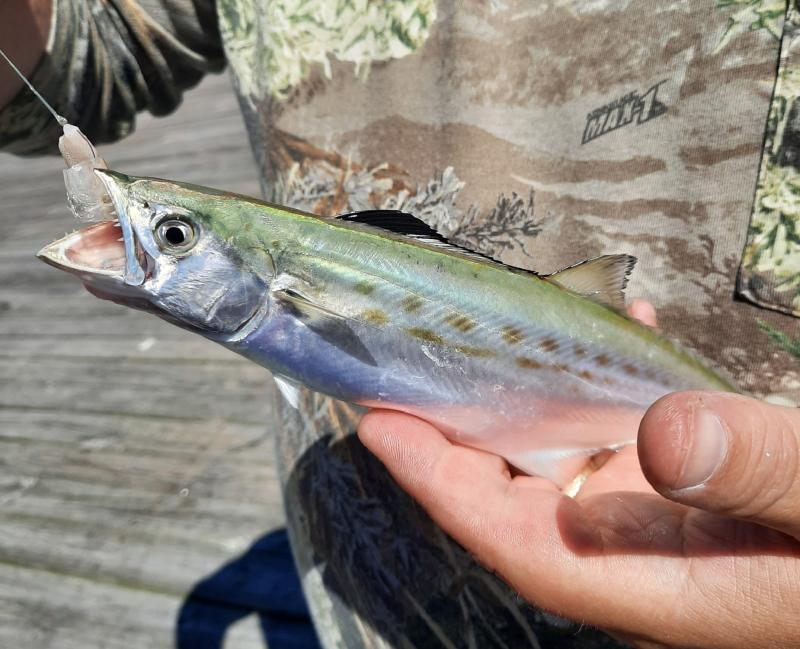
(61, 120)
(86, 194)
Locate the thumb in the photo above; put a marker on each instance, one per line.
(725, 453)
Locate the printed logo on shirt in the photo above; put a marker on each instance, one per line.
(632, 108)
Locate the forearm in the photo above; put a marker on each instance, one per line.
(24, 30)
(100, 63)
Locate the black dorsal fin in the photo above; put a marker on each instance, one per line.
(394, 221)
(408, 225)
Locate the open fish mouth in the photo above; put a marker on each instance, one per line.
(106, 249)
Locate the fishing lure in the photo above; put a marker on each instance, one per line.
(378, 309)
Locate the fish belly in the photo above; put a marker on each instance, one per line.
(544, 422)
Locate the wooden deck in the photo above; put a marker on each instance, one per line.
(136, 459)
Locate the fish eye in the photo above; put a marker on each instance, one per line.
(175, 235)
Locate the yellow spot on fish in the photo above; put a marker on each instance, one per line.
(512, 335)
(629, 369)
(586, 374)
(467, 350)
(549, 345)
(580, 352)
(375, 317)
(364, 287)
(426, 334)
(528, 363)
(412, 303)
(460, 321)
(603, 360)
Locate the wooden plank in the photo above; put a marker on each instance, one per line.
(186, 389)
(40, 609)
(135, 458)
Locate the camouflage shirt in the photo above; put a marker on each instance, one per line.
(541, 133)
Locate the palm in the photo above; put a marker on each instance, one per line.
(618, 555)
(629, 516)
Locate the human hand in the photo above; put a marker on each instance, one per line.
(689, 539)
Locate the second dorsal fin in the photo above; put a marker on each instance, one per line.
(602, 279)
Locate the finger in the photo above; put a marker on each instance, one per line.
(727, 454)
(643, 311)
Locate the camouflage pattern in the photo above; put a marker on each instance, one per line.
(542, 134)
(747, 15)
(294, 36)
(770, 272)
(782, 339)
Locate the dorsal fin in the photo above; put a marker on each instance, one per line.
(410, 226)
(602, 279)
(393, 221)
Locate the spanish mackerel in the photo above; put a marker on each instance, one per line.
(377, 309)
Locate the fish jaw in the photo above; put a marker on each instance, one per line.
(95, 250)
(106, 256)
(115, 185)
(96, 256)
(104, 253)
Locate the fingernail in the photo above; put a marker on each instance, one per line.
(707, 442)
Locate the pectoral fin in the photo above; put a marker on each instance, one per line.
(332, 327)
(305, 305)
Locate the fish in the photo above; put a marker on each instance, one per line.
(378, 309)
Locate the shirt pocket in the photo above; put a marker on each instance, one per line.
(769, 274)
